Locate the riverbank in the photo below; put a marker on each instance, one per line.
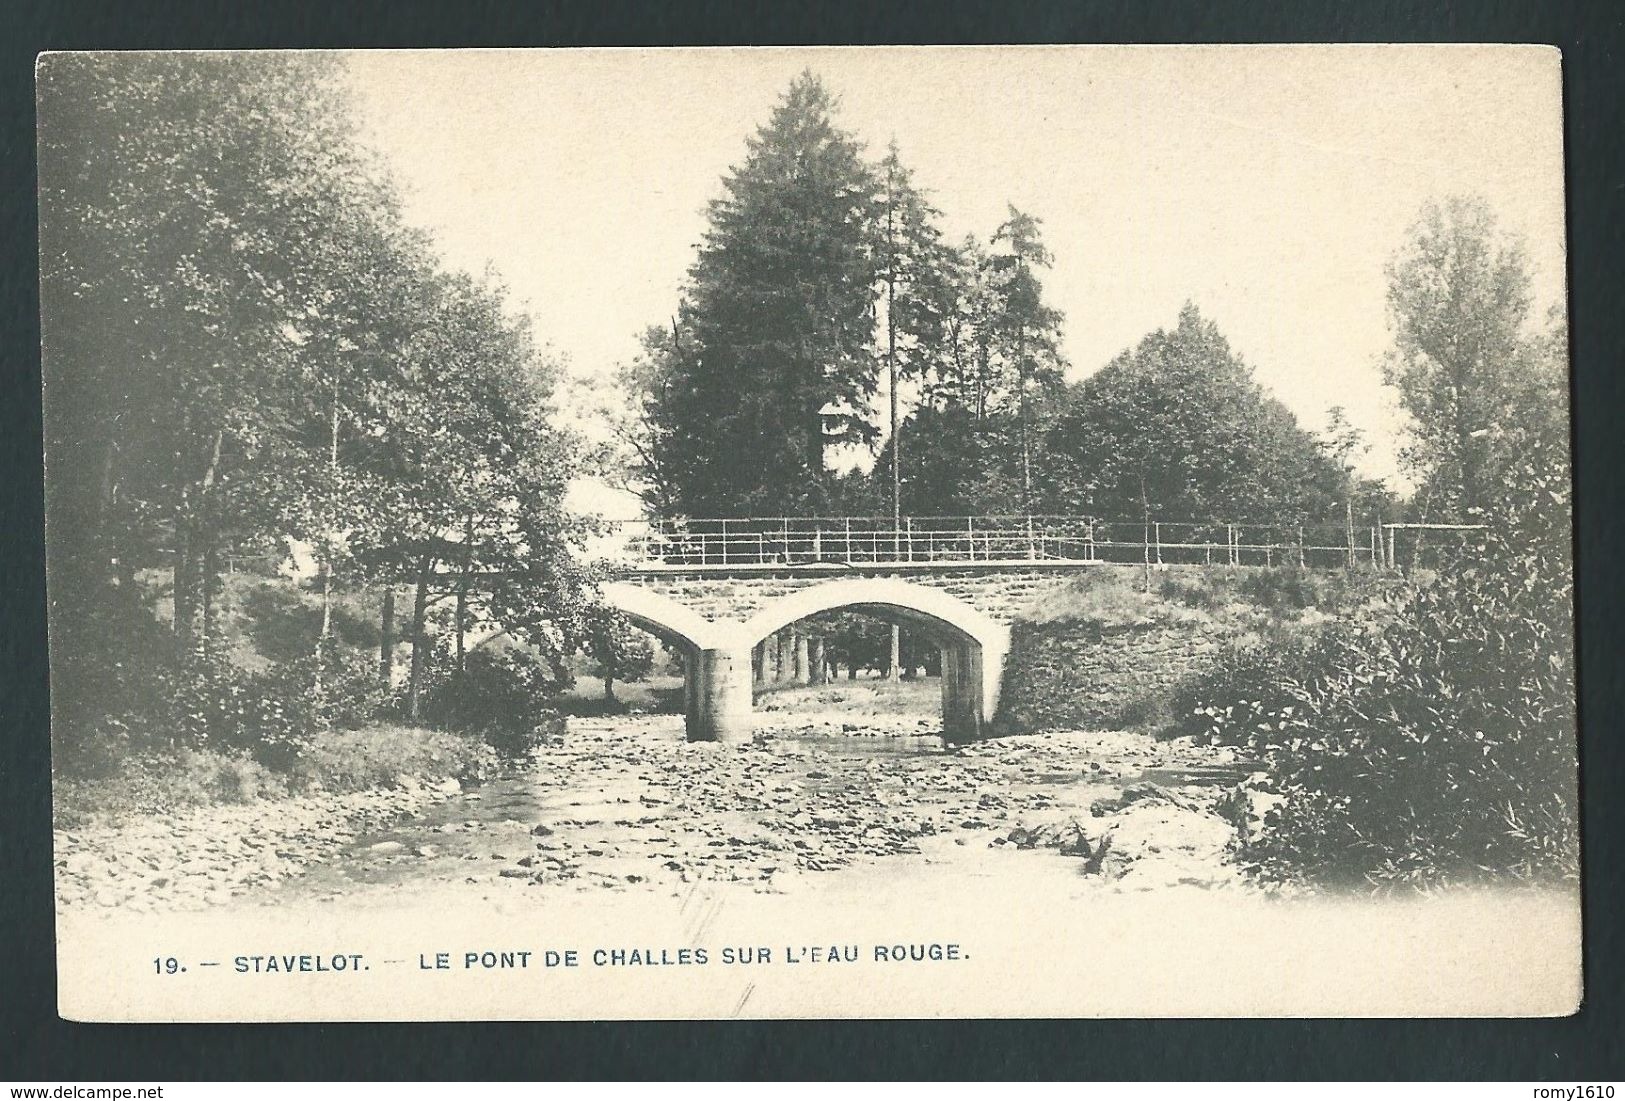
(214, 855)
(1077, 872)
(624, 803)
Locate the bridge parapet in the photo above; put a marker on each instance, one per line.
(1011, 541)
(999, 592)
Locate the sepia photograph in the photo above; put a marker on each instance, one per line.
(809, 532)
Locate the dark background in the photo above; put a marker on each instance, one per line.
(36, 1046)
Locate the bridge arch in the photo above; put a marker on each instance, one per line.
(664, 617)
(973, 645)
(936, 610)
(716, 652)
(716, 673)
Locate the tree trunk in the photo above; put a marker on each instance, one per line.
(462, 611)
(787, 657)
(815, 462)
(1349, 502)
(818, 665)
(1466, 458)
(1026, 460)
(803, 659)
(894, 662)
(191, 545)
(891, 366)
(1023, 369)
(386, 637)
(609, 687)
(327, 567)
(323, 635)
(420, 608)
(211, 571)
(1145, 534)
(185, 579)
(113, 555)
(462, 591)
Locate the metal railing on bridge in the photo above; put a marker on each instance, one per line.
(850, 540)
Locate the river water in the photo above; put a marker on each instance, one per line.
(626, 804)
(1079, 871)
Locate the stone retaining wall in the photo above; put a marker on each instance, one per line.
(1070, 675)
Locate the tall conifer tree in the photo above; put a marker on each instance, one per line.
(777, 320)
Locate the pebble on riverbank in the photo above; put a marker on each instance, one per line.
(627, 804)
(214, 854)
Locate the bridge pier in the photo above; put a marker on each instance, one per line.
(755, 645)
(970, 687)
(716, 695)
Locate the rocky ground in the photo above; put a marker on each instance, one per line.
(625, 803)
(213, 855)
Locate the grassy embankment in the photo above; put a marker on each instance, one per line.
(263, 622)
(1106, 651)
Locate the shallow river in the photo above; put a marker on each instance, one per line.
(626, 804)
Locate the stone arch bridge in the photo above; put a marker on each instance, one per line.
(717, 589)
(717, 617)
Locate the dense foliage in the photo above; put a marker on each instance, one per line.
(249, 354)
(619, 651)
(499, 693)
(1435, 739)
(776, 321)
(1467, 364)
(823, 281)
(1177, 428)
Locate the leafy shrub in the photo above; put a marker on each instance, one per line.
(274, 714)
(354, 760)
(352, 693)
(500, 695)
(1249, 697)
(619, 650)
(1204, 590)
(1439, 744)
(283, 621)
(112, 683)
(1279, 591)
(216, 703)
(1286, 588)
(1110, 600)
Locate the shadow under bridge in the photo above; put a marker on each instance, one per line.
(716, 650)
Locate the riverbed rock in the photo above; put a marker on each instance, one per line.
(1247, 806)
(1140, 793)
(648, 804)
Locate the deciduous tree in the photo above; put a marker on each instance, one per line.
(1177, 428)
(1467, 362)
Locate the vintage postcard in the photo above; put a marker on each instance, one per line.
(839, 532)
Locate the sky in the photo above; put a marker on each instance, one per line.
(1268, 185)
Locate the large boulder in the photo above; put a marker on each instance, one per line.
(1069, 837)
(1248, 805)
